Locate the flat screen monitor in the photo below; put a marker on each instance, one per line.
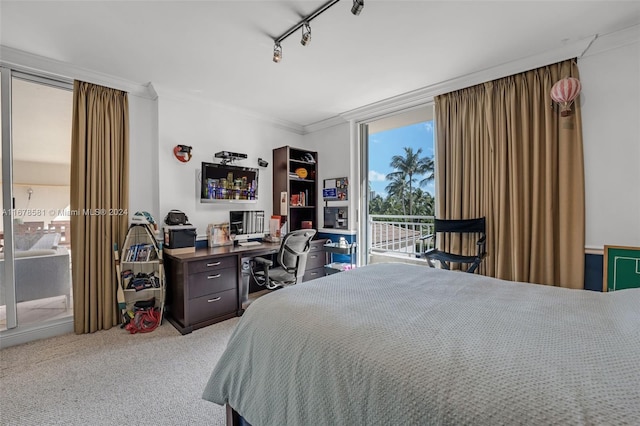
(247, 223)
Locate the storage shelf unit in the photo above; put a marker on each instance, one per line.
(336, 248)
(142, 257)
(286, 160)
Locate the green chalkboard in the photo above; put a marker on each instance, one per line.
(621, 268)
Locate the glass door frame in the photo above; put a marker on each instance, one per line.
(8, 282)
(364, 236)
(15, 333)
(361, 127)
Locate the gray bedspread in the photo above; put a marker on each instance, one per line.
(394, 344)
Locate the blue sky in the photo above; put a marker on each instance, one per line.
(384, 145)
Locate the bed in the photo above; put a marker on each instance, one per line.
(403, 344)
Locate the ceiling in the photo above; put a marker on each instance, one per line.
(222, 50)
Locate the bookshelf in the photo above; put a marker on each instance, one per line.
(294, 173)
(142, 275)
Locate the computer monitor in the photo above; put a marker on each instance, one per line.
(247, 224)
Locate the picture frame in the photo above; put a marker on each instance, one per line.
(219, 235)
(621, 268)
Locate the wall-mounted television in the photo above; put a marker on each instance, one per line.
(228, 183)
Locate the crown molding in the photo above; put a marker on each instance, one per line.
(578, 49)
(166, 93)
(152, 91)
(324, 124)
(613, 40)
(426, 94)
(31, 63)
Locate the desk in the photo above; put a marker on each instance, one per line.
(203, 286)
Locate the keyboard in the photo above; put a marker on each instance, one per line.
(249, 243)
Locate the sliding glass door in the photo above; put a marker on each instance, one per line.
(35, 274)
(399, 166)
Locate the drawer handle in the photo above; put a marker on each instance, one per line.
(314, 256)
(213, 264)
(214, 300)
(210, 277)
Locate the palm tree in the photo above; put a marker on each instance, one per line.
(376, 205)
(397, 188)
(430, 173)
(409, 165)
(422, 203)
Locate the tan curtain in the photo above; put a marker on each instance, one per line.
(505, 153)
(100, 195)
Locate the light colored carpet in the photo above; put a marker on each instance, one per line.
(112, 377)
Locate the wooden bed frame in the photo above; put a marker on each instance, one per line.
(233, 418)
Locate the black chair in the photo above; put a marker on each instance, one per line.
(292, 258)
(457, 226)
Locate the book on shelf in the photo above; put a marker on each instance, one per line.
(260, 221)
(140, 253)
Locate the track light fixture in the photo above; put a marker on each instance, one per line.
(277, 53)
(306, 27)
(306, 34)
(357, 7)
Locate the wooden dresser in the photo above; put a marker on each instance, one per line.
(202, 290)
(316, 259)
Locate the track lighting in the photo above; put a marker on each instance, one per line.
(306, 34)
(277, 53)
(357, 7)
(306, 27)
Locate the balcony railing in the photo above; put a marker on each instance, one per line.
(399, 234)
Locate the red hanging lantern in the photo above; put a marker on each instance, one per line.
(564, 92)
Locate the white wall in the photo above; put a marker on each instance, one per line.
(611, 133)
(210, 128)
(334, 160)
(47, 202)
(610, 101)
(144, 191)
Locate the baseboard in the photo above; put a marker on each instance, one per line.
(20, 335)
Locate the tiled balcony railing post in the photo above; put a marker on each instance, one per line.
(399, 234)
